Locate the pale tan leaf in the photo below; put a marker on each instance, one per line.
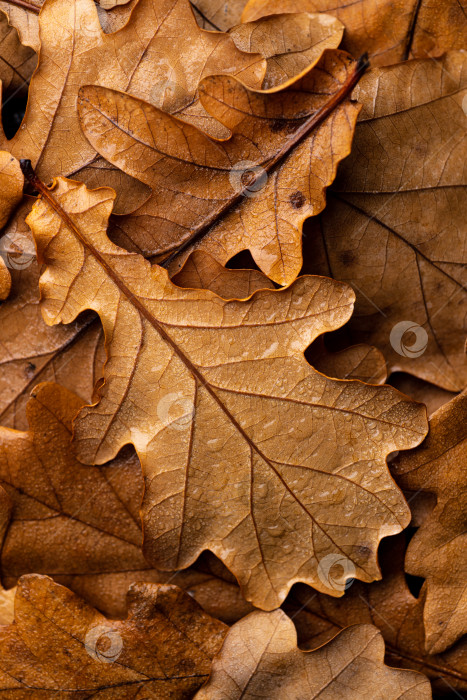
(24, 17)
(291, 43)
(17, 61)
(260, 659)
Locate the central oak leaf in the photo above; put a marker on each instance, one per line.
(246, 449)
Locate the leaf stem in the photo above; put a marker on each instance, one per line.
(25, 5)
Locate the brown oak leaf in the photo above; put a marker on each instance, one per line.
(253, 190)
(260, 658)
(82, 525)
(17, 61)
(218, 379)
(395, 225)
(291, 43)
(23, 15)
(75, 51)
(389, 30)
(201, 271)
(58, 644)
(390, 606)
(438, 550)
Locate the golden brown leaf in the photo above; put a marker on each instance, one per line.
(201, 271)
(260, 658)
(5, 280)
(24, 17)
(31, 352)
(291, 43)
(438, 550)
(201, 185)
(218, 14)
(390, 606)
(11, 186)
(431, 395)
(60, 646)
(75, 51)
(395, 226)
(390, 30)
(219, 379)
(82, 525)
(17, 62)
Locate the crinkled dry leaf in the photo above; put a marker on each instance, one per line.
(60, 646)
(222, 379)
(260, 658)
(138, 57)
(67, 519)
(390, 606)
(30, 351)
(5, 280)
(201, 271)
(291, 43)
(17, 62)
(82, 525)
(438, 550)
(24, 17)
(357, 362)
(395, 226)
(390, 30)
(431, 395)
(253, 190)
(218, 14)
(11, 186)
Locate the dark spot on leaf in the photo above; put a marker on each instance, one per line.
(29, 370)
(347, 257)
(297, 199)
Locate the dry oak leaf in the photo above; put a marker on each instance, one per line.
(253, 190)
(17, 62)
(11, 186)
(80, 525)
(390, 606)
(218, 14)
(23, 15)
(438, 550)
(201, 271)
(203, 388)
(67, 519)
(59, 646)
(11, 192)
(260, 659)
(395, 224)
(389, 30)
(291, 43)
(161, 37)
(30, 351)
(431, 395)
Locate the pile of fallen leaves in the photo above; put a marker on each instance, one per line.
(233, 280)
